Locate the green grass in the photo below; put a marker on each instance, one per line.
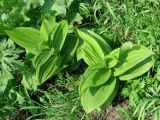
(58, 101)
(61, 101)
(125, 20)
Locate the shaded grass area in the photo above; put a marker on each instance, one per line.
(59, 101)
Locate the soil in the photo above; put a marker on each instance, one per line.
(111, 112)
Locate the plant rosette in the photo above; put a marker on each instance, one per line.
(100, 82)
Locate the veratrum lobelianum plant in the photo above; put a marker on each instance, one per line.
(51, 45)
(100, 82)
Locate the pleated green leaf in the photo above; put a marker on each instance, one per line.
(94, 46)
(43, 31)
(89, 70)
(96, 66)
(94, 97)
(89, 55)
(80, 54)
(111, 98)
(43, 45)
(115, 53)
(89, 41)
(124, 48)
(42, 57)
(97, 42)
(59, 35)
(50, 68)
(95, 77)
(27, 38)
(111, 61)
(132, 57)
(138, 70)
(69, 47)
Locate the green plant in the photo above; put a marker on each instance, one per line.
(18, 12)
(9, 61)
(143, 94)
(7, 108)
(99, 83)
(61, 101)
(51, 46)
(22, 12)
(148, 108)
(58, 102)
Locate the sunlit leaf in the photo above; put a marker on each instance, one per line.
(27, 38)
(92, 98)
(59, 35)
(131, 58)
(98, 44)
(50, 68)
(95, 76)
(138, 70)
(42, 57)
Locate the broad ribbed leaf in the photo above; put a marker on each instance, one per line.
(59, 35)
(95, 77)
(90, 70)
(42, 57)
(132, 57)
(94, 97)
(92, 52)
(94, 40)
(43, 45)
(50, 68)
(111, 98)
(111, 61)
(96, 66)
(91, 47)
(43, 31)
(138, 70)
(102, 43)
(115, 53)
(89, 55)
(125, 47)
(69, 47)
(80, 54)
(27, 38)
